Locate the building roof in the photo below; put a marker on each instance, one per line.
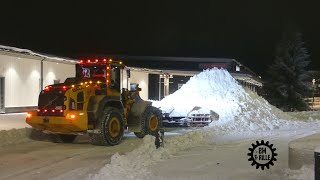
(26, 52)
(182, 59)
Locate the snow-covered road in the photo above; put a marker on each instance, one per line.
(45, 160)
(226, 158)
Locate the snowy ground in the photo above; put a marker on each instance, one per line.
(14, 120)
(216, 152)
(226, 158)
(46, 160)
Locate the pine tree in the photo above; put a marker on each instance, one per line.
(286, 83)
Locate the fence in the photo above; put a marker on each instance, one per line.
(314, 103)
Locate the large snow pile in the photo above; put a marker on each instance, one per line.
(217, 90)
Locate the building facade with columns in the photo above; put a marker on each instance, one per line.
(24, 73)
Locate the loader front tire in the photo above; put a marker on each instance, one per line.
(111, 128)
(151, 122)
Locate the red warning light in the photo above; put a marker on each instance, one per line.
(89, 60)
(81, 61)
(64, 87)
(38, 110)
(61, 111)
(53, 110)
(97, 60)
(104, 60)
(47, 88)
(45, 110)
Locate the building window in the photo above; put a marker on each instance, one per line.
(237, 68)
(180, 85)
(133, 86)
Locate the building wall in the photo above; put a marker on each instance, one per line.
(56, 71)
(141, 78)
(22, 78)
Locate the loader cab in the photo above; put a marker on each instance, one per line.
(105, 73)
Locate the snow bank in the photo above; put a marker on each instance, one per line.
(305, 173)
(306, 115)
(14, 136)
(134, 165)
(217, 90)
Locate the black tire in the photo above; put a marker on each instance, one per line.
(62, 138)
(139, 134)
(111, 128)
(150, 115)
(38, 135)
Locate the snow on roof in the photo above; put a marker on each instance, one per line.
(31, 53)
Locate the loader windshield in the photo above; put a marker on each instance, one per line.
(90, 72)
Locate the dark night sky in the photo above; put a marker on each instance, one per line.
(244, 30)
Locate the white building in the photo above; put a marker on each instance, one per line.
(23, 74)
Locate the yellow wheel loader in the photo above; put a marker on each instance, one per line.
(93, 102)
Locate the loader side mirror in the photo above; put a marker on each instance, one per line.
(137, 87)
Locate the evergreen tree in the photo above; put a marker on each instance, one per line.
(286, 83)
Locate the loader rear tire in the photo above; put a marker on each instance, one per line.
(151, 122)
(111, 128)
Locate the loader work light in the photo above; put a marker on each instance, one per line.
(71, 116)
(29, 115)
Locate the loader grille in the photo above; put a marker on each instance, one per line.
(51, 103)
